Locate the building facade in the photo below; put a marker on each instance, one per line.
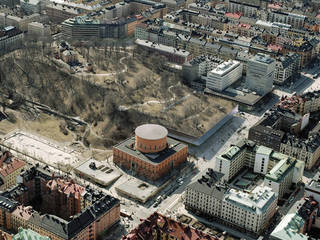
(68, 210)
(151, 154)
(224, 75)
(211, 197)
(260, 74)
(172, 54)
(10, 168)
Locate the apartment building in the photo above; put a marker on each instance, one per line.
(295, 20)
(68, 210)
(260, 73)
(222, 76)
(298, 222)
(39, 29)
(158, 226)
(209, 196)
(193, 70)
(58, 12)
(172, 54)
(279, 129)
(287, 68)
(302, 47)
(247, 8)
(24, 234)
(10, 168)
(19, 23)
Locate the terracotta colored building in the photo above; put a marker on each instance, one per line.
(150, 153)
(158, 226)
(69, 211)
(10, 168)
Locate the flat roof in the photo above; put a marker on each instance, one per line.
(100, 172)
(39, 148)
(174, 146)
(225, 67)
(161, 47)
(264, 150)
(151, 131)
(257, 201)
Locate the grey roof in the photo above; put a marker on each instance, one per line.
(67, 230)
(209, 183)
(151, 131)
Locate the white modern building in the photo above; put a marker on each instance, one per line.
(39, 29)
(260, 74)
(247, 210)
(199, 66)
(224, 75)
(248, 9)
(251, 211)
(280, 170)
(283, 174)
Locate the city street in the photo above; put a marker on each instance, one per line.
(232, 132)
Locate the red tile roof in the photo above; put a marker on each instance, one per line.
(274, 5)
(274, 47)
(67, 187)
(165, 225)
(243, 25)
(9, 164)
(23, 212)
(233, 15)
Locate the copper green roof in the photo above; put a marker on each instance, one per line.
(281, 169)
(28, 234)
(289, 228)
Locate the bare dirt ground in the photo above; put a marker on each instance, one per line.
(111, 105)
(45, 125)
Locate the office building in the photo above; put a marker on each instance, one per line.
(150, 154)
(223, 75)
(211, 197)
(193, 70)
(11, 39)
(286, 172)
(260, 74)
(295, 20)
(279, 170)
